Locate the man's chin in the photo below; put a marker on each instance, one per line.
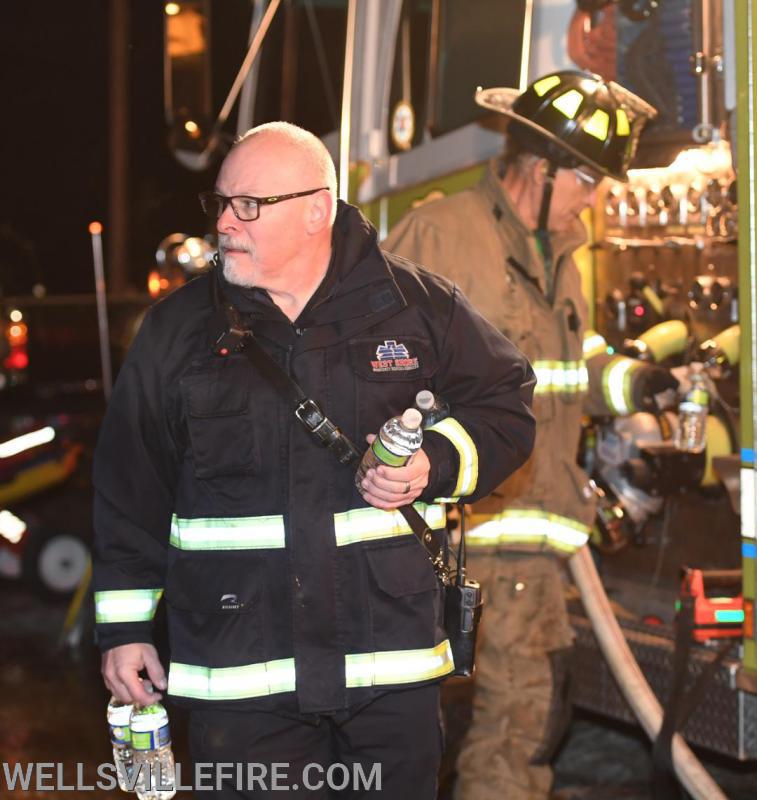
(235, 274)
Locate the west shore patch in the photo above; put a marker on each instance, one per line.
(393, 356)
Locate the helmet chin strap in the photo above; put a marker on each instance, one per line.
(542, 231)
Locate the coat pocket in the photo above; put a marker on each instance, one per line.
(389, 371)
(220, 421)
(405, 597)
(215, 610)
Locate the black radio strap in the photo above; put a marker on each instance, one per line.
(236, 337)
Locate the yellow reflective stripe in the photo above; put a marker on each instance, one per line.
(275, 677)
(398, 666)
(598, 125)
(623, 126)
(527, 526)
(231, 683)
(560, 376)
(228, 533)
(541, 87)
(126, 605)
(367, 524)
(594, 344)
(748, 503)
(616, 384)
(569, 103)
(467, 477)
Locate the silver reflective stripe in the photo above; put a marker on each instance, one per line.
(528, 527)
(126, 605)
(467, 477)
(616, 384)
(594, 344)
(561, 376)
(231, 683)
(367, 524)
(228, 533)
(398, 666)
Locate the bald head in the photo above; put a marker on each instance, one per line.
(297, 154)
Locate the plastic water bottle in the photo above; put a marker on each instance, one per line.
(153, 757)
(120, 736)
(432, 407)
(692, 413)
(398, 439)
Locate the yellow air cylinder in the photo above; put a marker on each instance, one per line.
(663, 340)
(718, 444)
(729, 342)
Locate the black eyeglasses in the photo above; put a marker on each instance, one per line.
(245, 208)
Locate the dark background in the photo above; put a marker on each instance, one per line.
(55, 123)
(55, 139)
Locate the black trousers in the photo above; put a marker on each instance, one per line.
(390, 748)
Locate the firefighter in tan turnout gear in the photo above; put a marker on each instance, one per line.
(508, 244)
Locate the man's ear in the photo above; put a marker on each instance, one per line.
(319, 212)
(539, 173)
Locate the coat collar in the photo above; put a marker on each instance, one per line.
(520, 240)
(357, 291)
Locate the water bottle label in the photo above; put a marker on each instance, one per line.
(151, 740)
(699, 396)
(387, 456)
(120, 734)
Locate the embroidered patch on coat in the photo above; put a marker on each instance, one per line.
(393, 356)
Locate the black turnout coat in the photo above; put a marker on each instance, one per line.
(284, 589)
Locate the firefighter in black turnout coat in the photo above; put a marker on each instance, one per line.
(303, 615)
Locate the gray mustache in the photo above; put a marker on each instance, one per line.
(226, 243)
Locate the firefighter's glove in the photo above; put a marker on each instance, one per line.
(654, 388)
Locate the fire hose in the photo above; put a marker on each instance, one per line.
(633, 685)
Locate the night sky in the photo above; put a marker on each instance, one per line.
(55, 140)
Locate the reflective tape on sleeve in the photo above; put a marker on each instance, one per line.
(367, 524)
(617, 379)
(398, 666)
(126, 605)
(532, 528)
(232, 683)
(467, 478)
(567, 377)
(228, 533)
(594, 344)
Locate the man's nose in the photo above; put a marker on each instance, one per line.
(227, 220)
(590, 192)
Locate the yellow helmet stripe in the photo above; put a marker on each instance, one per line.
(598, 125)
(569, 103)
(542, 86)
(623, 126)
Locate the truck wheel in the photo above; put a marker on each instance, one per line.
(55, 562)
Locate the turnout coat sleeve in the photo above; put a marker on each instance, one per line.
(615, 381)
(489, 384)
(135, 473)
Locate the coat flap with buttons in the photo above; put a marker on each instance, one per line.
(402, 570)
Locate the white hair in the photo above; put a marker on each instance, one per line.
(313, 151)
